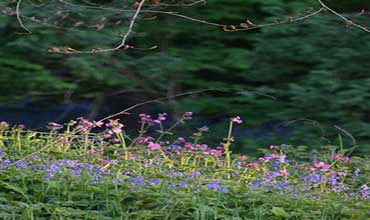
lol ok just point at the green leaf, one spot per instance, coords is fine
(280, 212)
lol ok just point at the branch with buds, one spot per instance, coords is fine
(247, 25)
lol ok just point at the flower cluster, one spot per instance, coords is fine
(177, 163)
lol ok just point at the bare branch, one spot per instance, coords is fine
(250, 26)
(132, 22)
(122, 45)
(348, 22)
(244, 26)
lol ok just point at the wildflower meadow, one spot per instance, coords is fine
(96, 170)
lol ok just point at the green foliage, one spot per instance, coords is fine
(316, 68)
(31, 79)
(315, 77)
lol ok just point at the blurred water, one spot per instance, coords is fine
(35, 115)
(38, 114)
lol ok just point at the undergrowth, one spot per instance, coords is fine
(93, 170)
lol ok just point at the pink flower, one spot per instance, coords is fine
(236, 120)
(283, 173)
(84, 124)
(55, 125)
(189, 146)
(263, 160)
(108, 134)
(117, 130)
(253, 165)
(274, 147)
(340, 157)
(143, 140)
(217, 153)
(243, 158)
(4, 124)
(188, 115)
(116, 140)
(321, 165)
(146, 118)
(92, 150)
(132, 156)
(154, 146)
(98, 123)
(115, 125)
(181, 139)
(220, 164)
(161, 117)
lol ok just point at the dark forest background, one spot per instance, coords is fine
(317, 69)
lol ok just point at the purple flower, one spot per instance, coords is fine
(215, 186)
(68, 163)
(48, 175)
(195, 174)
(365, 191)
(5, 206)
(54, 168)
(173, 148)
(138, 181)
(254, 184)
(5, 163)
(154, 181)
(76, 171)
(39, 167)
(21, 166)
(175, 174)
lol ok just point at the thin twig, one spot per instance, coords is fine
(122, 45)
(348, 21)
(18, 13)
(132, 22)
(290, 20)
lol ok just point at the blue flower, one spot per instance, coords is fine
(48, 175)
(357, 172)
(21, 166)
(116, 181)
(39, 167)
(138, 181)
(76, 171)
(175, 174)
(154, 181)
(217, 187)
(182, 185)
